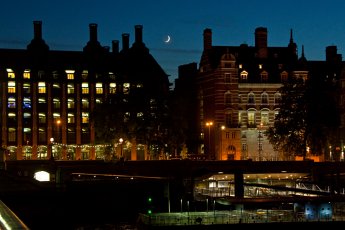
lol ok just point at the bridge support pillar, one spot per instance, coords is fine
(239, 187)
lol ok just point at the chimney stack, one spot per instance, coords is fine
(261, 41)
(125, 41)
(93, 32)
(115, 46)
(38, 30)
(138, 33)
(207, 39)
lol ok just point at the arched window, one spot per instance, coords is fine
(277, 99)
(251, 98)
(227, 98)
(264, 98)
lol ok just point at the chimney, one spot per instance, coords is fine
(115, 46)
(261, 41)
(332, 54)
(38, 30)
(138, 33)
(93, 32)
(125, 41)
(207, 39)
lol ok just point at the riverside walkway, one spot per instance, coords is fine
(234, 217)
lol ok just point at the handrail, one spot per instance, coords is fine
(9, 220)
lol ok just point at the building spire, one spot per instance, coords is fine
(291, 37)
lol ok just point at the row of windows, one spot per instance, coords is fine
(42, 134)
(70, 74)
(251, 98)
(99, 87)
(27, 103)
(250, 118)
(263, 76)
(42, 118)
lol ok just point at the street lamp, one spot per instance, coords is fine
(209, 124)
(121, 141)
(221, 142)
(51, 148)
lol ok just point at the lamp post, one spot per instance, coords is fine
(121, 141)
(209, 124)
(221, 142)
(51, 148)
(260, 142)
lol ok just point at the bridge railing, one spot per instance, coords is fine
(9, 220)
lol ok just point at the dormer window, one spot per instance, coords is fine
(284, 76)
(264, 76)
(244, 76)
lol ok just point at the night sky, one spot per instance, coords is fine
(65, 25)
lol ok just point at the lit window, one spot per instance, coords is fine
(240, 66)
(70, 118)
(84, 74)
(126, 88)
(26, 87)
(112, 76)
(56, 103)
(42, 138)
(85, 88)
(99, 88)
(11, 102)
(70, 88)
(70, 103)
(251, 117)
(98, 101)
(260, 66)
(70, 74)
(42, 100)
(10, 74)
(41, 87)
(84, 118)
(85, 103)
(264, 117)
(26, 103)
(11, 87)
(26, 74)
(57, 118)
(112, 88)
(11, 134)
(244, 76)
(56, 86)
(126, 116)
(27, 115)
(42, 118)
(11, 115)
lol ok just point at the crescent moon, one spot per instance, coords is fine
(168, 39)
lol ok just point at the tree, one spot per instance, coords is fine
(288, 133)
(308, 117)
